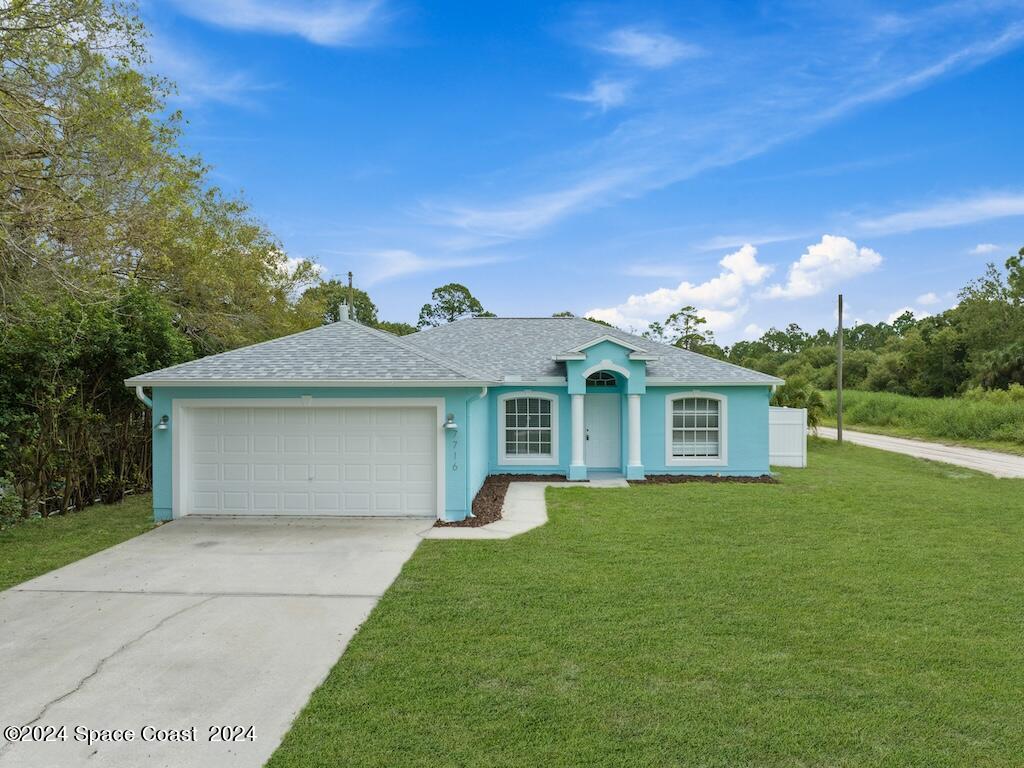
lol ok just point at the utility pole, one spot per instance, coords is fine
(839, 375)
(351, 299)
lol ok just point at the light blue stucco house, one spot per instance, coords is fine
(349, 420)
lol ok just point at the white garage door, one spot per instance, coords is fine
(311, 461)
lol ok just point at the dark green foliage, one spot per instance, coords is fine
(798, 392)
(325, 299)
(398, 329)
(449, 303)
(1002, 367)
(978, 342)
(70, 431)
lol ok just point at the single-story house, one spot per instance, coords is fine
(349, 420)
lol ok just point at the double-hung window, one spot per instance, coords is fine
(695, 429)
(528, 428)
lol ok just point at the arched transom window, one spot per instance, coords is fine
(601, 379)
(696, 429)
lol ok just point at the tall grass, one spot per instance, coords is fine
(995, 417)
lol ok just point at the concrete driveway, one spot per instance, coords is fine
(200, 623)
(991, 462)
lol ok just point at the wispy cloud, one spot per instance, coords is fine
(603, 94)
(646, 48)
(331, 22)
(950, 213)
(753, 98)
(199, 79)
(384, 265)
(655, 270)
(928, 299)
(720, 242)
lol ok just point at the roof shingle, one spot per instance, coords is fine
(526, 347)
(343, 352)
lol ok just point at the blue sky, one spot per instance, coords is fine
(623, 159)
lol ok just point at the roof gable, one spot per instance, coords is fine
(636, 352)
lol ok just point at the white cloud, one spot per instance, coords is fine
(337, 22)
(927, 299)
(199, 79)
(823, 265)
(982, 249)
(529, 214)
(653, 50)
(603, 94)
(753, 331)
(390, 264)
(951, 213)
(720, 300)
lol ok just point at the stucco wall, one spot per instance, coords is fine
(747, 431)
(564, 432)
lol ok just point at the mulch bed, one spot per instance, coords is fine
(489, 499)
(669, 479)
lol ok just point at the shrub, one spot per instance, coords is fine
(798, 392)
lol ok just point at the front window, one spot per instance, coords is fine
(696, 428)
(528, 430)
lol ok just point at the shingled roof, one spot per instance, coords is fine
(479, 350)
(526, 347)
(344, 352)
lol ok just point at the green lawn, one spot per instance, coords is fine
(868, 610)
(34, 547)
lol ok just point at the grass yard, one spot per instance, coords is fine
(34, 547)
(868, 610)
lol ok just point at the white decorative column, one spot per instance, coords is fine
(578, 467)
(634, 468)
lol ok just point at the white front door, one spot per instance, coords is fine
(311, 461)
(601, 419)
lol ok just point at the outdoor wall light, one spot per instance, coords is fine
(162, 424)
(449, 423)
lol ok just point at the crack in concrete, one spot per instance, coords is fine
(102, 662)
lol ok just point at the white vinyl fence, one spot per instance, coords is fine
(787, 437)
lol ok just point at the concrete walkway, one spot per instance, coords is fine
(199, 623)
(523, 510)
(992, 462)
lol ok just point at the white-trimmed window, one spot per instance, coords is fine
(528, 428)
(695, 429)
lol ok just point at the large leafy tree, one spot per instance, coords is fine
(448, 303)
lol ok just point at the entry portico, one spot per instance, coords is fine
(603, 368)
